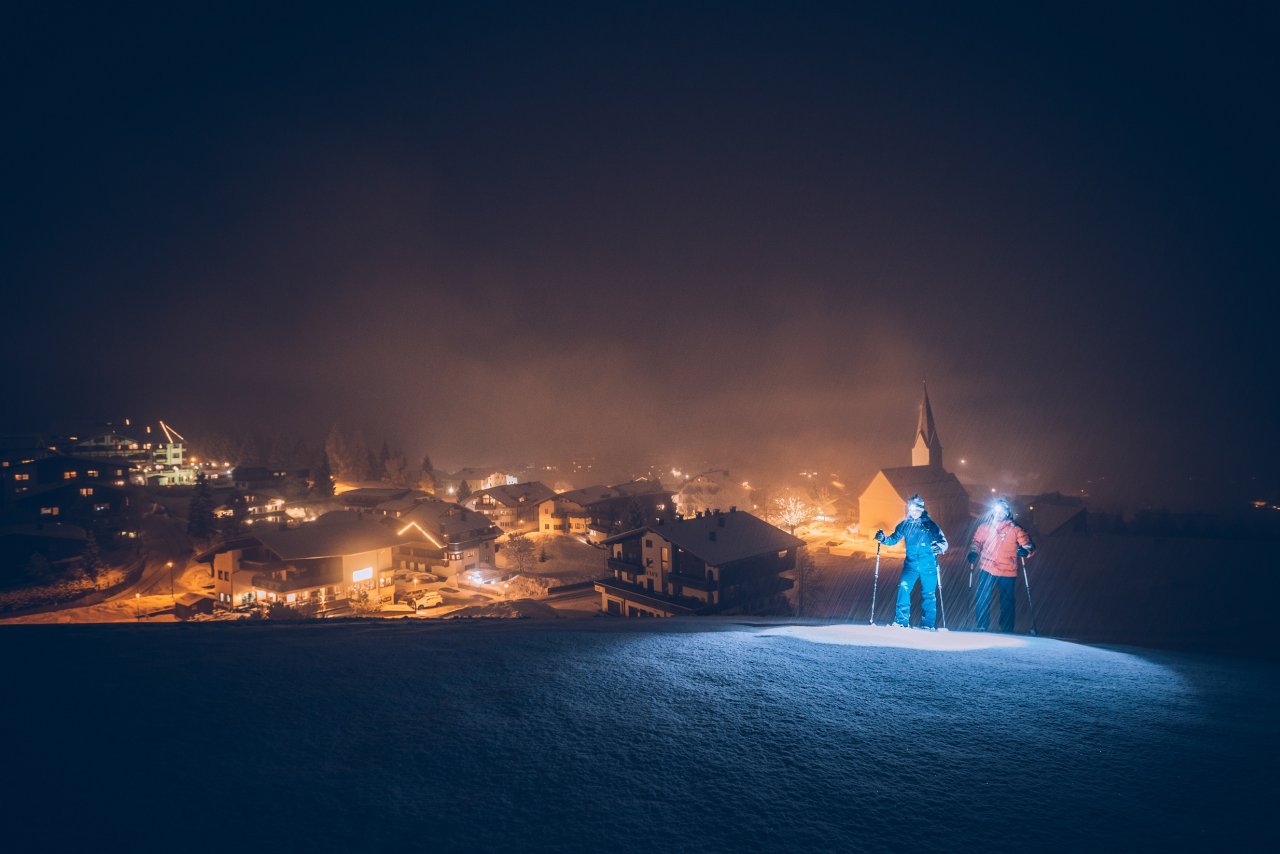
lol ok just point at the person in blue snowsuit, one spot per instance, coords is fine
(924, 542)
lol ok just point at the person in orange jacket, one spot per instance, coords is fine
(995, 549)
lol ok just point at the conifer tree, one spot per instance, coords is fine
(324, 477)
(200, 521)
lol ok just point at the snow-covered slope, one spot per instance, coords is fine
(611, 735)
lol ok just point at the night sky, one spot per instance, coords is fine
(725, 232)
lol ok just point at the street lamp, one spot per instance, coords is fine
(137, 607)
(169, 565)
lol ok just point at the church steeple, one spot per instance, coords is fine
(927, 450)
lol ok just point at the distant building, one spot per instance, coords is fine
(250, 477)
(476, 478)
(598, 512)
(514, 506)
(881, 504)
(729, 562)
(440, 536)
(1051, 513)
(262, 505)
(392, 501)
(710, 490)
(89, 492)
(321, 563)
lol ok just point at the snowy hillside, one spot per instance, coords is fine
(611, 735)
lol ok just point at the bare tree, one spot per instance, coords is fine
(793, 511)
(824, 502)
(522, 550)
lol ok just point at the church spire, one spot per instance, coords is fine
(927, 450)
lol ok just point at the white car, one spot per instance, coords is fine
(429, 599)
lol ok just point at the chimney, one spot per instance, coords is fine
(733, 509)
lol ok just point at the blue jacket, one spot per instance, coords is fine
(920, 536)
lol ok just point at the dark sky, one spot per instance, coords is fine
(690, 231)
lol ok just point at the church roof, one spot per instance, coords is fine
(910, 479)
(925, 427)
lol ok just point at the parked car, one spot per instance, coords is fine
(430, 599)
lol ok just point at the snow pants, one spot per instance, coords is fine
(928, 578)
(982, 612)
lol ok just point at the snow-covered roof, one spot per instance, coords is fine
(910, 479)
(329, 539)
(515, 494)
(720, 538)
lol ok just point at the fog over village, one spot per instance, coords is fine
(660, 427)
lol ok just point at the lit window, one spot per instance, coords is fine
(68, 475)
(92, 473)
(49, 511)
(22, 476)
(362, 574)
(88, 490)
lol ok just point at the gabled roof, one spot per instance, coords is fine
(443, 520)
(738, 536)
(641, 486)
(589, 495)
(516, 494)
(372, 496)
(909, 479)
(332, 539)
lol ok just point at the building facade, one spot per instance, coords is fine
(728, 562)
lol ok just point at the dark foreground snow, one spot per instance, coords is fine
(609, 735)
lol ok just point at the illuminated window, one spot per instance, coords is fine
(49, 511)
(68, 475)
(22, 476)
(92, 473)
(362, 574)
(88, 490)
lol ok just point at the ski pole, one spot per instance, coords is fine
(1027, 582)
(942, 605)
(874, 585)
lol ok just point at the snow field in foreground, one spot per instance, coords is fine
(605, 735)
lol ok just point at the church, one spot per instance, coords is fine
(881, 504)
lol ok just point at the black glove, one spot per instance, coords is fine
(937, 548)
(1023, 552)
(972, 558)
(879, 536)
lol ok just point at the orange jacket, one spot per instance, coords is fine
(996, 544)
